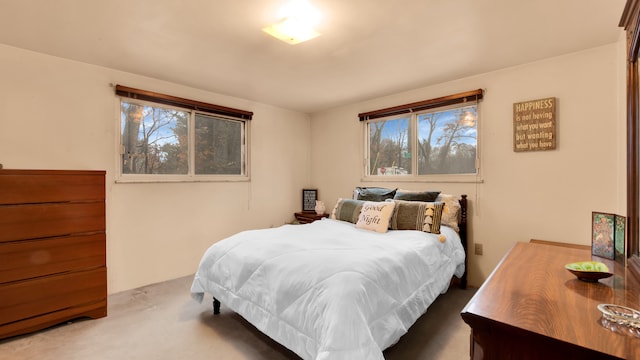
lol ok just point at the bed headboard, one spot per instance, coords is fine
(463, 236)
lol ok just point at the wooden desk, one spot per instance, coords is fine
(530, 307)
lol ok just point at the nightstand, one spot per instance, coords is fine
(305, 217)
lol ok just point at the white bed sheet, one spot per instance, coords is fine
(327, 290)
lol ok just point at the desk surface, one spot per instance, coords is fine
(531, 293)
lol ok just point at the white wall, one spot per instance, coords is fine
(60, 114)
(542, 195)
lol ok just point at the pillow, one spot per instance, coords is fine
(408, 195)
(375, 216)
(451, 211)
(417, 215)
(374, 193)
(347, 210)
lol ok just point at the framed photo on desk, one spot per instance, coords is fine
(602, 234)
(309, 197)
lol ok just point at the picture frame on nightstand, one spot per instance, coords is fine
(603, 226)
(619, 239)
(309, 197)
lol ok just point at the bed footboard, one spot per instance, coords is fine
(216, 306)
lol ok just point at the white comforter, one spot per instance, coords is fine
(327, 290)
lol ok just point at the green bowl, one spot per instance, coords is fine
(590, 271)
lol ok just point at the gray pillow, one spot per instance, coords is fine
(374, 193)
(426, 196)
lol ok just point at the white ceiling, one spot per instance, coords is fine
(369, 48)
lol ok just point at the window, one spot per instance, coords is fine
(170, 142)
(433, 137)
(447, 141)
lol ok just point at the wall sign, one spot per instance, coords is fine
(309, 197)
(534, 125)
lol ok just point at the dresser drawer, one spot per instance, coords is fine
(34, 258)
(41, 186)
(28, 298)
(20, 222)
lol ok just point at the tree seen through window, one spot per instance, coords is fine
(445, 142)
(155, 140)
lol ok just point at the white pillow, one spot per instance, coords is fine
(375, 216)
(450, 212)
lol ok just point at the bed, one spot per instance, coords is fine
(332, 289)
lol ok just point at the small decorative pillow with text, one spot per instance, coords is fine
(417, 215)
(347, 210)
(375, 216)
(451, 211)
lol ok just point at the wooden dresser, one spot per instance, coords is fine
(52, 248)
(531, 307)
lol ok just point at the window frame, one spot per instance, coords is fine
(367, 133)
(190, 176)
(413, 142)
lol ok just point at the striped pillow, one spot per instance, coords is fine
(417, 215)
(347, 210)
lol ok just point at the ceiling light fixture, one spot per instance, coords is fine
(298, 18)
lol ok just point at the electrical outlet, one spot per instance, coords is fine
(478, 249)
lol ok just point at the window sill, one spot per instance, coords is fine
(451, 179)
(126, 180)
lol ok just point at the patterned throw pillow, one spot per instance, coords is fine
(409, 195)
(417, 215)
(375, 216)
(347, 210)
(451, 211)
(374, 193)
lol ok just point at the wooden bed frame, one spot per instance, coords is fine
(462, 226)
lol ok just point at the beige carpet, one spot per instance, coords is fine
(161, 321)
